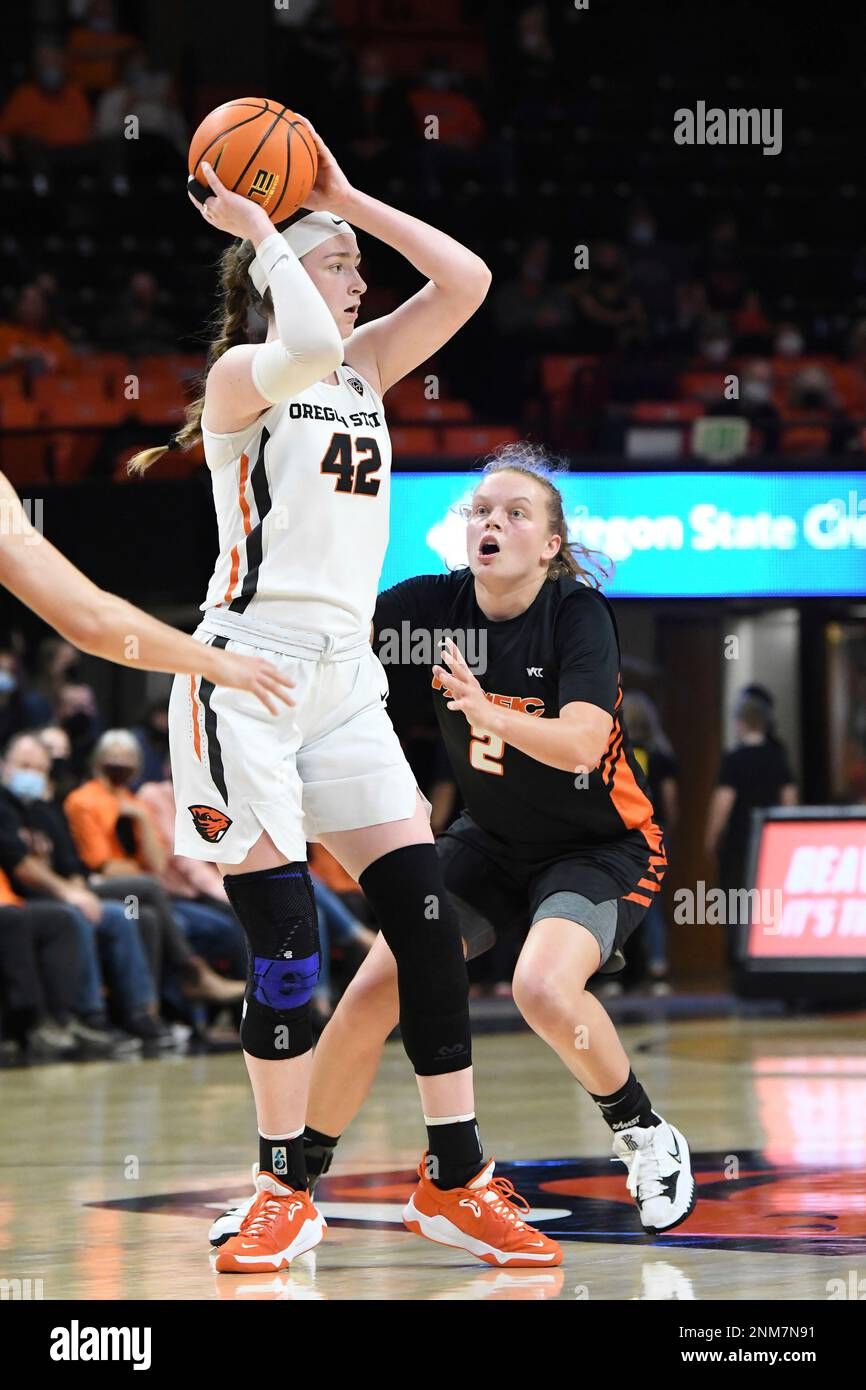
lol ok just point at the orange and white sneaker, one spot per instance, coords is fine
(280, 1224)
(482, 1218)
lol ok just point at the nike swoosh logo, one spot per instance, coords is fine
(676, 1156)
(337, 221)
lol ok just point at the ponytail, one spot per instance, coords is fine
(237, 295)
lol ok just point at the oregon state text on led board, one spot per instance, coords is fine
(669, 534)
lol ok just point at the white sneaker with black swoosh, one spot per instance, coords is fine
(659, 1174)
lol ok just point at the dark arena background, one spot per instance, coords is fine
(670, 198)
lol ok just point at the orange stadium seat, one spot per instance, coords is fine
(473, 440)
(415, 439)
(23, 457)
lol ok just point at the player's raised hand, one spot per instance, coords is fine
(466, 693)
(332, 188)
(229, 212)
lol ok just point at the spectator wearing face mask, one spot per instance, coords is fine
(117, 840)
(46, 122)
(756, 403)
(152, 735)
(38, 856)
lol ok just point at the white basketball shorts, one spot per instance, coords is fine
(331, 762)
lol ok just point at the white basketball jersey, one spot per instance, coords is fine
(302, 500)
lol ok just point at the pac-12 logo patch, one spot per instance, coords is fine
(210, 823)
(356, 385)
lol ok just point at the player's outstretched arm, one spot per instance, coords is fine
(102, 624)
(394, 345)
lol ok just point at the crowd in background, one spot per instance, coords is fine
(676, 291)
(111, 943)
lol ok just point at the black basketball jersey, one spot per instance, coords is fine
(564, 647)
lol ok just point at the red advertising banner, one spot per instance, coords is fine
(811, 884)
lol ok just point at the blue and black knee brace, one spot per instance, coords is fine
(277, 911)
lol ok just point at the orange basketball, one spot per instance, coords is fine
(260, 149)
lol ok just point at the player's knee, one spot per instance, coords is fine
(277, 911)
(407, 892)
(536, 996)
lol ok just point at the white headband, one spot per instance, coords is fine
(302, 235)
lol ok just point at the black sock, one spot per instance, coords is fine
(285, 1159)
(630, 1105)
(454, 1153)
(318, 1154)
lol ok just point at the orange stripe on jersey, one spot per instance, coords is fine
(638, 898)
(245, 514)
(196, 736)
(233, 577)
(242, 486)
(649, 883)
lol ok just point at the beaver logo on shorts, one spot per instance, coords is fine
(210, 823)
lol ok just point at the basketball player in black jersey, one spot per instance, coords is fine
(558, 830)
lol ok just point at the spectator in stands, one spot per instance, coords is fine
(20, 708)
(529, 305)
(152, 735)
(148, 94)
(118, 841)
(751, 328)
(135, 324)
(612, 316)
(61, 694)
(96, 48)
(30, 343)
(62, 774)
(756, 403)
(37, 854)
(654, 270)
(755, 773)
(376, 120)
(449, 125)
(788, 342)
(39, 969)
(46, 120)
(721, 268)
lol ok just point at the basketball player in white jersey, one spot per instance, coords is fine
(295, 438)
(104, 625)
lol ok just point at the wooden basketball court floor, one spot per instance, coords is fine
(111, 1172)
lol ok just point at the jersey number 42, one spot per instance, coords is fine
(353, 475)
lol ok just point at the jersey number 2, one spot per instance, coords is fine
(351, 476)
(486, 751)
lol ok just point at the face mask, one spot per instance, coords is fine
(117, 774)
(372, 83)
(757, 392)
(76, 724)
(27, 783)
(716, 350)
(51, 79)
(789, 344)
(8, 683)
(642, 233)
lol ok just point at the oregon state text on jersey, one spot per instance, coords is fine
(302, 498)
(563, 648)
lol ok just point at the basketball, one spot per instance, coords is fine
(260, 149)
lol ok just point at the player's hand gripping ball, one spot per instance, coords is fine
(261, 151)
